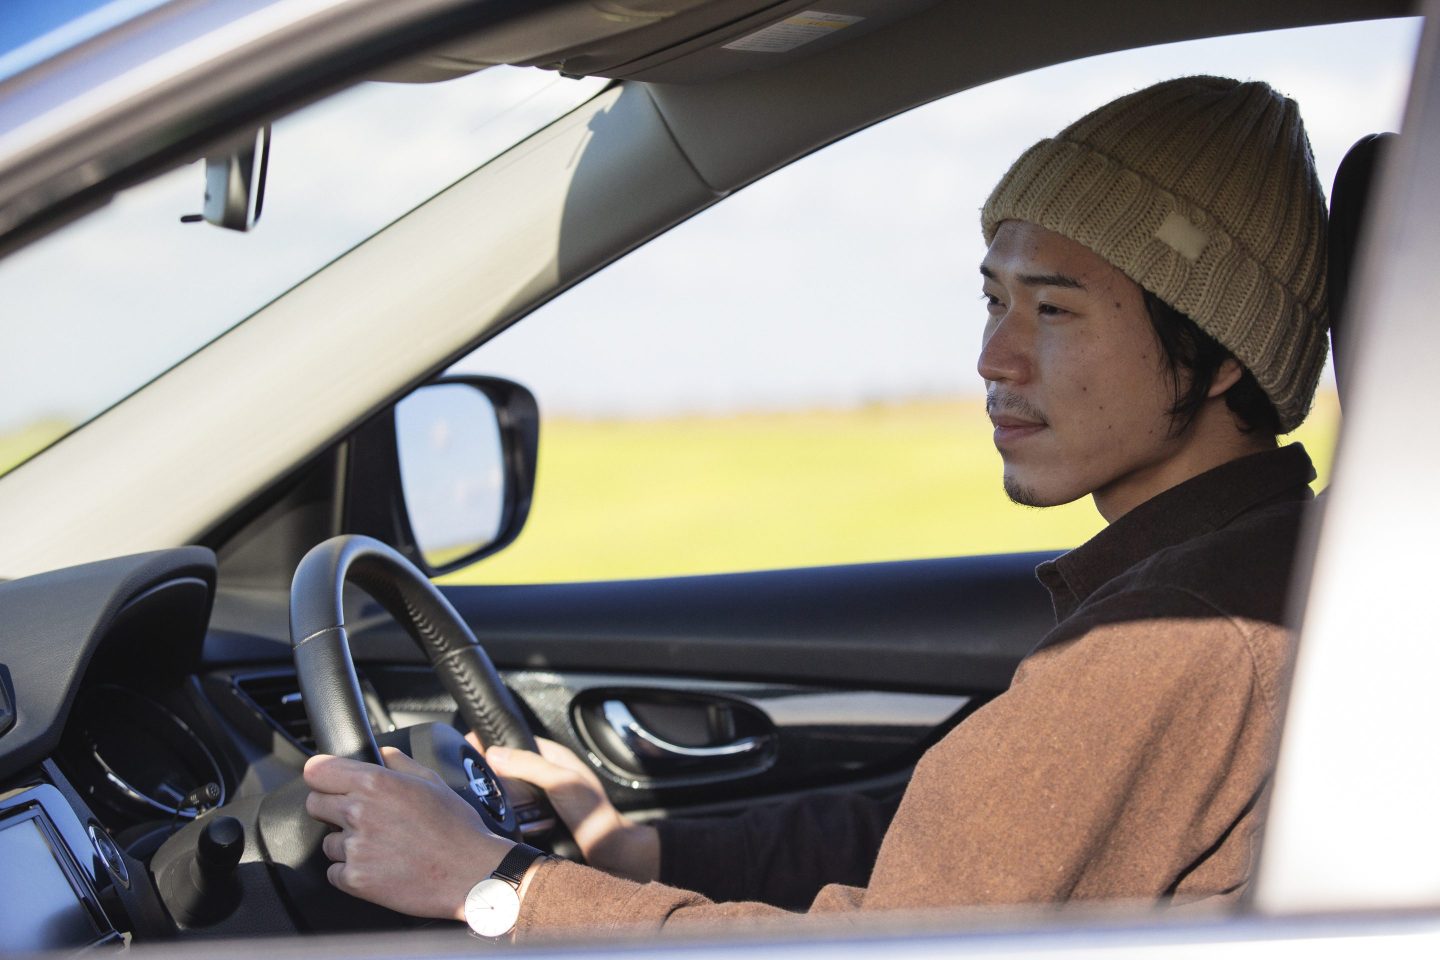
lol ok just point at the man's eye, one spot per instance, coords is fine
(990, 300)
(1051, 310)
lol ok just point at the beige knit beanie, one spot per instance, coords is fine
(1203, 191)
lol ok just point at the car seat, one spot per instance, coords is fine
(1348, 199)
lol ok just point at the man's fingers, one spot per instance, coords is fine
(407, 843)
(330, 774)
(396, 760)
(328, 808)
(519, 791)
(527, 766)
(333, 846)
(561, 755)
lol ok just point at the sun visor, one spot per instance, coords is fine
(664, 41)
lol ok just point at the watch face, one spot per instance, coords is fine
(492, 907)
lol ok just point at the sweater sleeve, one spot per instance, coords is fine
(1129, 750)
(780, 854)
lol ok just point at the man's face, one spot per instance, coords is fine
(1075, 381)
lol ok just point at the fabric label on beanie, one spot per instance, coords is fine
(1182, 236)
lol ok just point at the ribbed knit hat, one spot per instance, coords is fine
(1203, 191)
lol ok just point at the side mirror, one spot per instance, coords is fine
(447, 475)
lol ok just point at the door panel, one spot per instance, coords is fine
(808, 737)
(724, 689)
(956, 625)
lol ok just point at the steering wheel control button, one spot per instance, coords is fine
(485, 788)
(535, 819)
(109, 854)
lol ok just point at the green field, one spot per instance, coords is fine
(20, 445)
(618, 499)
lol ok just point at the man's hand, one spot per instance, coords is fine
(405, 840)
(608, 839)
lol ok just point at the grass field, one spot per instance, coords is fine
(617, 499)
(19, 445)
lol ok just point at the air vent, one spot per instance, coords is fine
(276, 696)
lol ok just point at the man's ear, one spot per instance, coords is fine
(1226, 377)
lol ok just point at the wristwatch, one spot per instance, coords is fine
(493, 905)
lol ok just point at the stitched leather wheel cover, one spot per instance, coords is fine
(328, 685)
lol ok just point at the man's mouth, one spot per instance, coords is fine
(1009, 430)
(1014, 419)
(1005, 421)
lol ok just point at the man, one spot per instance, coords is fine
(1156, 316)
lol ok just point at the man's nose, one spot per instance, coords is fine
(1003, 354)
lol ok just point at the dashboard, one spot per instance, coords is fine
(126, 714)
(100, 760)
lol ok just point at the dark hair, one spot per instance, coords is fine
(1188, 349)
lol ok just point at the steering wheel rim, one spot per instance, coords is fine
(328, 683)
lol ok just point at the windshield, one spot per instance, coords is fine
(101, 307)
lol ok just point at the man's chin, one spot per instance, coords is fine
(1029, 495)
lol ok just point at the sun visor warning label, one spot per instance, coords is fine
(793, 32)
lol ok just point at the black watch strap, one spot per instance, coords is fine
(515, 863)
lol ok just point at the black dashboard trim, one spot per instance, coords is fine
(7, 701)
(52, 624)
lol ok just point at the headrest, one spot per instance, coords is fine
(1348, 201)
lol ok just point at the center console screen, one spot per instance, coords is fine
(40, 907)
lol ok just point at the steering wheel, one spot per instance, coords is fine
(331, 692)
(282, 871)
(327, 677)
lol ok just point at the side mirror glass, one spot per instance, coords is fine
(466, 449)
(452, 470)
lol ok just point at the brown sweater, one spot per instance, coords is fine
(1129, 758)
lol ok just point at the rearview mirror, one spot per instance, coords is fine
(235, 182)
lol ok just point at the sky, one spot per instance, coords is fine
(845, 279)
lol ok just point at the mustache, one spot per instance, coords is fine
(1014, 404)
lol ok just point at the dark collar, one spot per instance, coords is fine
(1198, 506)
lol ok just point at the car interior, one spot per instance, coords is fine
(156, 699)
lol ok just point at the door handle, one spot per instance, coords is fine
(645, 744)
